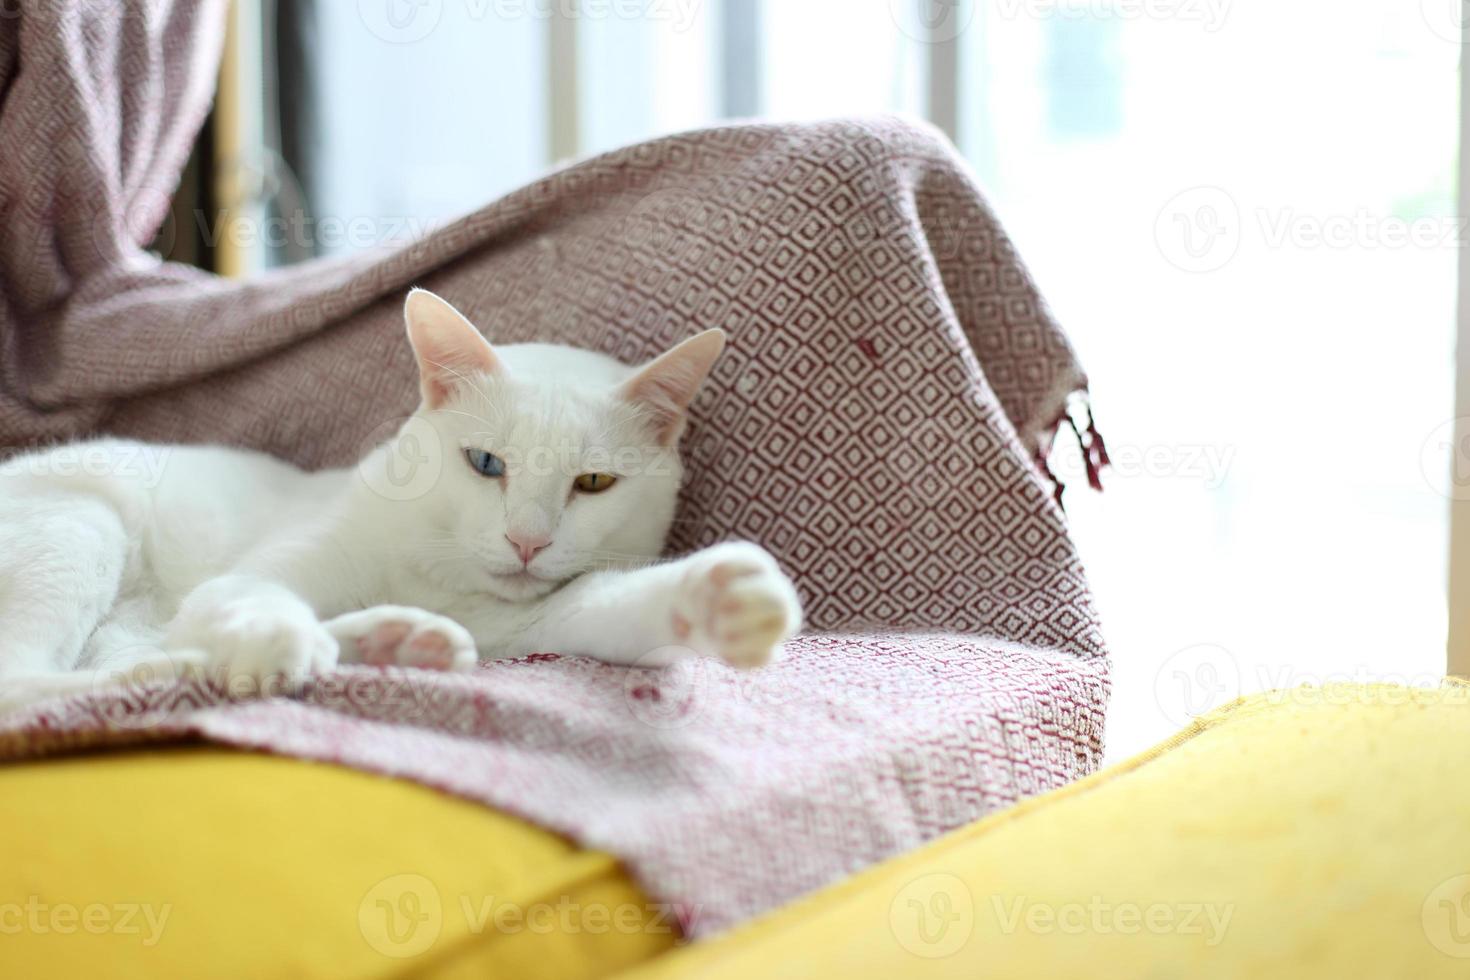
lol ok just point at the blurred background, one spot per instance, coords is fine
(1244, 214)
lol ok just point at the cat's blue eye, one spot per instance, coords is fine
(485, 464)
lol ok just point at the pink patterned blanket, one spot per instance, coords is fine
(891, 378)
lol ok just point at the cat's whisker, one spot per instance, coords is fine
(623, 561)
(469, 382)
(490, 426)
(443, 559)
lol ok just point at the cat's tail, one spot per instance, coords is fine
(17, 693)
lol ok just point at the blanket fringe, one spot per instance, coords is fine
(1089, 441)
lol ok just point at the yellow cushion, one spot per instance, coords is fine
(1315, 834)
(1324, 835)
(204, 862)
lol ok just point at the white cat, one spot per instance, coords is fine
(519, 509)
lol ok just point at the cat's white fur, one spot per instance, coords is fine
(115, 553)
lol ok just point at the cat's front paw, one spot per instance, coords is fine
(735, 603)
(404, 636)
(258, 644)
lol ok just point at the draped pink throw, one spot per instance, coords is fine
(891, 378)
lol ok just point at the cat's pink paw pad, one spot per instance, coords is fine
(407, 637)
(379, 648)
(736, 604)
(432, 650)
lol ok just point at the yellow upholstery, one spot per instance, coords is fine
(1327, 830)
(1312, 835)
(256, 866)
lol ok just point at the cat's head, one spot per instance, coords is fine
(554, 461)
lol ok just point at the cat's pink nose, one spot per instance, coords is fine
(526, 545)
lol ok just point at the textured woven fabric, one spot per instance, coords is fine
(892, 372)
(726, 794)
(1311, 833)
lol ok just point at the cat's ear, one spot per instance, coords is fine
(665, 386)
(448, 347)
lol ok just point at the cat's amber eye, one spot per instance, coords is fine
(594, 482)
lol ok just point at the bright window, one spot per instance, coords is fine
(1243, 214)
